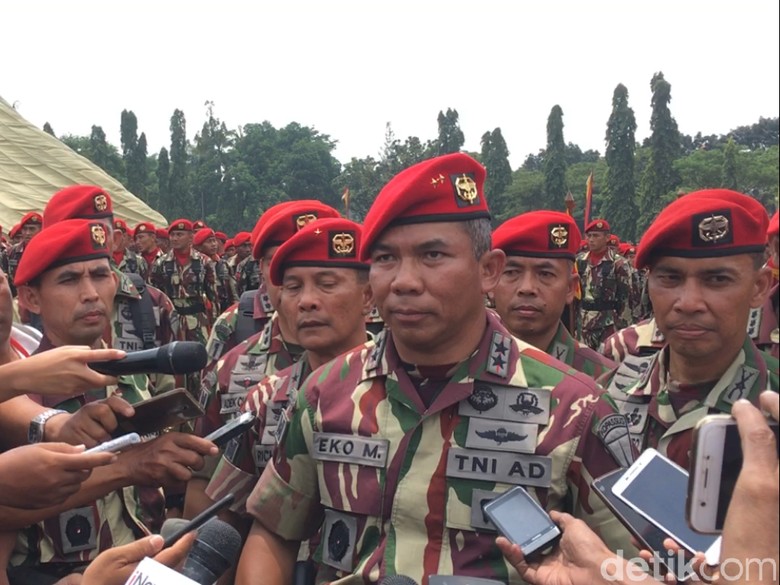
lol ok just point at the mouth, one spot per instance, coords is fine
(525, 310)
(407, 315)
(689, 331)
(311, 324)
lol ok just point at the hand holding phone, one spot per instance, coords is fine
(117, 444)
(234, 428)
(199, 520)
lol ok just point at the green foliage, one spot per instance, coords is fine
(163, 176)
(451, 137)
(619, 206)
(495, 157)
(659, 180)
(95, 148)
(178, 201)
(729, 174)
(555, 160)
(48, 129)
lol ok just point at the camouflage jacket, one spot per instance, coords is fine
(607, 293)
(565, 348)
(222, 338)
(244, 461)
(193, 290)
(642, 339)
(226, 283)
(662, 414)
(224, 385)
(762, 325)
(133, 263)
(115, 519)
(10, 261)
(248, 275)
(150, 259)
(398, 488)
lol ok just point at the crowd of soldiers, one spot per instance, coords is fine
(402, 372)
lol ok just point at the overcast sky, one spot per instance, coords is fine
(348, 67)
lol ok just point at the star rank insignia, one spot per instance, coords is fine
(499, 350)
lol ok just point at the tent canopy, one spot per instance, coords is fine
(34, 165)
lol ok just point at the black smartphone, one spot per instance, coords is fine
(199, 520)
(649, 536)
(163, 411)
(234, 428)
(523, 521)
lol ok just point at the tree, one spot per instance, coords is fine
(619, 205)
(495, 157)
(451, 137)
(140, 168)
(209, 163)
(178, 201)
(163, 176)
(660, 179)
(555, 161)
(104, 154)
(729, 171)
(48, 129)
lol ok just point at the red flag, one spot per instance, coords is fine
(588, 199)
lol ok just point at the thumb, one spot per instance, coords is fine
(60, 448)
(140, 549)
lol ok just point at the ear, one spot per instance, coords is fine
(29, 298)
(491, 265)
(761, 287)
(574, 283)
(368, 299)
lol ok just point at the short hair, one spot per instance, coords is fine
(480, 232)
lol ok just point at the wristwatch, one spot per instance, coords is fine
(35, 432)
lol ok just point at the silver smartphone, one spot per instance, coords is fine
(715, 466)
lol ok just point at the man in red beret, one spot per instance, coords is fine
(538, 283)
(145, 237)
(68, 280)
(247, 268)
(125, 258)
(222, 239)
(206, 242)
(605, 280)
(163, 240)
(30, 224)
(188, 278)
(392, 449)
(705, 257)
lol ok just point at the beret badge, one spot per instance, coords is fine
(142, 228)
(304, 219)
(98, 233)
(559, 236)
(465, 188)
(180, 226)
(343, 244)
(100, 202)
(714, 228)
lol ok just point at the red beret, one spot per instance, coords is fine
(704, 224)
(31, 217)
(78, 202)
(71, 240)
(280, 222)
(120, 224)
(202, 235)
(144, 227)
(162, 233)
(12, 233)
(539, 234)
(229, 243)
(597, 225)
(625, 248)
(613, 240)
(445, 188)
(774, 226)
(180, 224)
(198, 224)
(242, 238)
(221, 236)
(326, 242)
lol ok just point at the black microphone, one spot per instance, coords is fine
(215, 550)
(397, 580)
(179, 357)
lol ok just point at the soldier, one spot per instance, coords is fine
(538, 283)
(763, 323)
(143, 317)
(127, 260)
(188, 278)
(163, 241)
(15, 234)
(605, 279)
(247, 267)
(205, 241)
(222, 239)
(145, 237)
(198, 225)
(68, 280)
(29, 225)
(393, 448)
(230, 253)
(704, 252)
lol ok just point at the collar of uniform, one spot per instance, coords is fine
(125, 288)
(648, 335)
(563, 345)
(262, 303)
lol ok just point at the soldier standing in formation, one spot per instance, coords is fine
(30, 224)
(145, 238)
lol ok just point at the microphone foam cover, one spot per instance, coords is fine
(398, 580)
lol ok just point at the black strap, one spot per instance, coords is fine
(142, 312)
(246, 324)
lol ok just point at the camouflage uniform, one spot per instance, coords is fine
(117, 518)
(642, 339)
(565, 348)
(226, 284)
(248, 275)
(150, 259)
(762, 325)
(662, 413)
(11, 263)
(398, 488)
(133, 263)
(192, 289)
(223, 334)
(605, 306)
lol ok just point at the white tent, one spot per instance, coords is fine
(34, 165)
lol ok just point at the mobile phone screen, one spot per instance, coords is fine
(659, 491)
(523, 522)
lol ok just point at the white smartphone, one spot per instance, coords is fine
(716, 465)
(117, 444)
(656, 488)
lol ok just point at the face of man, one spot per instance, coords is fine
(597, 241)
(145, 241)
(75, 301)
(244, 250)
(327, 307)
(181, 240)
(702, 305)
(164, 244)
(29, 230)
(531, 295)
(210, 246)
(430, 290)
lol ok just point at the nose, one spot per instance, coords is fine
(526, 284)
(689, 298)
(406, 279)
(309, 299)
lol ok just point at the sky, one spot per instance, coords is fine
(347, 67)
